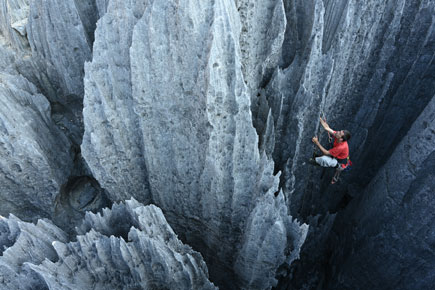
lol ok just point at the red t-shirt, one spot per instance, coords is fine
(340, 150)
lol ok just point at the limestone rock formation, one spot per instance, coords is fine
(13, 21)
(22, 243)
(262, 32)
(129, 246)
(41, 119)
(60, 41)
(269, 227)
(207, 109)
(35, 159)
(112, 143)
(368, 67)
(51, 40)
(182, 124)
(393, 220)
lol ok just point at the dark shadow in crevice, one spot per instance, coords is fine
(7, 238)
(68, 117)
(78, 195)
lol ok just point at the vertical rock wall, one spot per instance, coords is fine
(261, 37)
(44, 46)
(357, 64)
(41, 115)
(186, 130)
(35, 159)
(112, 144)
(207, 110)
(381, 79)
(388, 233)
(61, 43)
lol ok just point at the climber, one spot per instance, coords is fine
(338, 156)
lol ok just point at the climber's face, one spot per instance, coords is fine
(339, 135)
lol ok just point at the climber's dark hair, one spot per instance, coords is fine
(346, 135)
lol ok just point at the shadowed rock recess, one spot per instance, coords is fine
(163, 144)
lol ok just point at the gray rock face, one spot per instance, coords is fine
(22, 243)
(261, 38)
(207, 110)
(112, 144)
(194, 136)
(313, 256)
(269, 227)
(41, 137)
(13, 21)
(393, 221)
(391, 75)
(378, 63)
(102, 7)
(358, 71)
(130, 246)
(51, 41)
(49, 49)
(61, 42)
(262, 32)
(89, 12)
(35, 158)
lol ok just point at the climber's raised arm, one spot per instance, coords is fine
(326, 126)
(324, 151)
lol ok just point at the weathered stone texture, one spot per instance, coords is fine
(129, 246)
(35, 155)
(358, 71)
(13, 21)
(385, 76)
(89, 12)
(263, 26)
(311, 265)
(296, 96)
(269, 227)
(217, 159)
(102, 7)
(207, 109)
(112, 142)
(389, 233)
(60, 41)
(186, 128)
(22, 243)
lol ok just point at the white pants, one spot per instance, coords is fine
(326, 161)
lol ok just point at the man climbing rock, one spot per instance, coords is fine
(337, 156)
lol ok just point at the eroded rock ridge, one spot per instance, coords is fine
(206, 110)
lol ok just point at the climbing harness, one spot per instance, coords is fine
(344, 167)
(348, 165)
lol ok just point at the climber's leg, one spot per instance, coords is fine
(326, 161)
